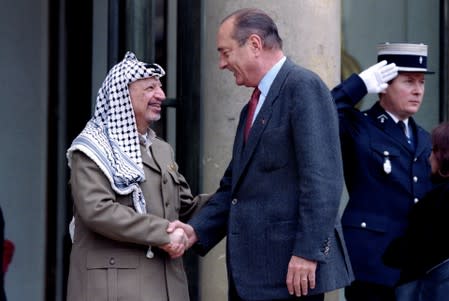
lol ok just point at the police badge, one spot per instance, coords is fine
(387, 163)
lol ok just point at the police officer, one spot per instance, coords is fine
(385, 156)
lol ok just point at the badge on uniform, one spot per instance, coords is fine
(387, 163)
(382, 118)
(171, 166)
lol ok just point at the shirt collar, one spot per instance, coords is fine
(148, 138)
(395, 119)
(267, 80)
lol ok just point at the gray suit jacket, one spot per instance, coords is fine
(281, 192)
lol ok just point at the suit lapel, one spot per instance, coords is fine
(147, 160)
(420, 137)
(244, 152)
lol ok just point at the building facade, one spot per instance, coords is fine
(55, 53)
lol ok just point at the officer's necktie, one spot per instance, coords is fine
(252, 104)
(401, 124)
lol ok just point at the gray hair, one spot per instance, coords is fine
(250, 21)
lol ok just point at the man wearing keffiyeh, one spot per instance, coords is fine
(126, 189)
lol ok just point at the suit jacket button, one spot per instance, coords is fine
(415, 179)
(234, 201)
(415, 200)
(112, 261)
(363, 225)
(164, 180)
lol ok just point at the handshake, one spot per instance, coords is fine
(182, 237)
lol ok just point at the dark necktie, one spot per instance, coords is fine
(401, 124)
(252, 104)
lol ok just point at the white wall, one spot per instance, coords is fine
(23, 134)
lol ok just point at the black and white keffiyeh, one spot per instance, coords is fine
(110, 137)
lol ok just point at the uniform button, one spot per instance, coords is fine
(416, 159)
(415, 200)
(386, 153)
(164, 180)
(112, 261)
(166, 204)
(363, 225)
(415, 179)
(234, 201)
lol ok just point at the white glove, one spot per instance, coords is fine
(377, 76)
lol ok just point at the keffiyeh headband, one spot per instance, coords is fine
(110, 137)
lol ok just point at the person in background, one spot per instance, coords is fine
(2, 239)
(6, 254)
(420, 253)
(278, 200)
(126, 189)
(385, 159)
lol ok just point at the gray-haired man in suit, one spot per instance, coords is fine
(279, 197)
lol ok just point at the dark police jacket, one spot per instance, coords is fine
(421, 248)
(384, 176)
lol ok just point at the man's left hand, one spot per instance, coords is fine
(300, 276)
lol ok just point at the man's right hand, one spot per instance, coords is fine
(177, 245)
(189, 231)
(377, 76)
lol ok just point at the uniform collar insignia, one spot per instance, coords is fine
(382, 118)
